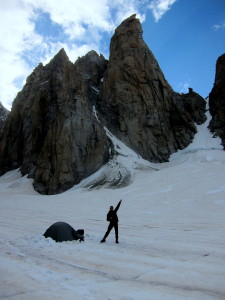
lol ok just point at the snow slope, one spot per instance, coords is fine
(172, 231)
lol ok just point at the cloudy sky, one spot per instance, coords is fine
(186, 37)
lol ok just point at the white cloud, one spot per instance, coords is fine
(17, 36)
(76, 16)
(219, 26)
(160, 7)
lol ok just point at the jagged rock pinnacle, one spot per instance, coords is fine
(137, 102)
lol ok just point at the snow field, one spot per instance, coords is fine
(171, 232)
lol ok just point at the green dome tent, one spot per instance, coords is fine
(61, 232)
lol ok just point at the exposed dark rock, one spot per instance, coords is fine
(3, 116)
(138, 104)
(193, 104)
(52, 133)
(217, 101)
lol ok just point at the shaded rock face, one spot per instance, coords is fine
(52, 133)
(217, 101)
(3, 117)
(138, 104)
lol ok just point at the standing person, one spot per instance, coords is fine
(113, 222)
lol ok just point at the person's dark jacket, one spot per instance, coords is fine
(112, 216)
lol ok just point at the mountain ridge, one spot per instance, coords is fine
(56, 131)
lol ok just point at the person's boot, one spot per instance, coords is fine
(102, 241)
(117, 242)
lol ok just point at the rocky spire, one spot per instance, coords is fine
(217, 101)
(52, 133)
(136, 101)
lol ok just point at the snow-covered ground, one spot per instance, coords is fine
(171, 231)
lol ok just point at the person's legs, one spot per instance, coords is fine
(116, 232)
(107, 232)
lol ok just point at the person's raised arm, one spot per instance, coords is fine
(118, 205)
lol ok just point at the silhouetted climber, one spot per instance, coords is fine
(113, 222)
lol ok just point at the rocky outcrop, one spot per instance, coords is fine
(52, 133)
(217, 101)
(56, 131)
(3, 116)
(138, 104)
(193, 104)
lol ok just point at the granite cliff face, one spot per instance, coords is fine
(217, 101)
(56, 133)
(138, 104)
(52, 133)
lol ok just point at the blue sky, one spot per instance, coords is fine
(186, 36)
(187, 41)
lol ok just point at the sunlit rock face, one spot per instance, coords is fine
(217, 101)
(138, 104)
